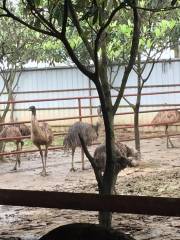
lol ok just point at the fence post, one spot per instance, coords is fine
(90, 101)
(79, 107)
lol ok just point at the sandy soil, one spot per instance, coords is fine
(158, 175)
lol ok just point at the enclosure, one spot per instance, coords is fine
(63, 96)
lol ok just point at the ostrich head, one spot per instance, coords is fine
(32, 109)
(96, 128)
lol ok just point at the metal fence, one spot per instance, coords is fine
(63, 96)
(161, 90)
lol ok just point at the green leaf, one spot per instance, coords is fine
(37, 3)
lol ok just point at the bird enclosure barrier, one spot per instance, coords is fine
(163, 206)
(123, 204)
(80, 116)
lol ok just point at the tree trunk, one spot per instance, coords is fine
(109, 177)
(136, 129)
(177, 51)
(105, 218)
(137, 106)
(1, 143)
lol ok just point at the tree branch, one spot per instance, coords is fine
(11, 15)
(81, 67)
(147, 77)
(53, 33)
(65, 16)
(63, 38)
(47, 24)
(79, 29)
(158, 9)
(133, 53)
(98, 174)
(101, 30)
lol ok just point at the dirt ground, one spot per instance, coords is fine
(158, 175)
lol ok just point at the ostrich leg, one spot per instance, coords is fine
(18, 161)
(72, 162)
(43, 173)
(45, 158)
(82, 159)
(168, 138)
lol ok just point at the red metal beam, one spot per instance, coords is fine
(87, 89)
(92, 202)
(48, 120)
(28, 151)
(88, 97)
(89, 116)
(96, 143)
(8, 139)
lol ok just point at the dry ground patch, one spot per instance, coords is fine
(158, 175)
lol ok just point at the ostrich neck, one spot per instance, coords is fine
(34, 122)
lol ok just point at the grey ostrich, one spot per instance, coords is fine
(13, 132)
(41, 134)
(87, 131)
(126, 157)
(166, 118)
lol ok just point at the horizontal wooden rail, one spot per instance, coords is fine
(92, 202)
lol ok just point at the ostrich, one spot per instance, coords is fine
(84, 231)
(166, 118)
(24, 129)
(13, 132)
(87, 131)
(125, 157)
(41, 135)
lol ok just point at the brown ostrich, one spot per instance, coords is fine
(87, 131)
(166, 118)
(41, 134)
(13, 132)
(126, 156)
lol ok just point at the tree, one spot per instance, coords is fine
(92, 23)
(19, 45)
(12, 59)
(154, 40)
